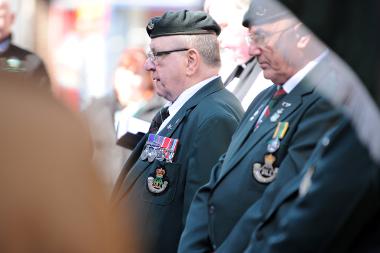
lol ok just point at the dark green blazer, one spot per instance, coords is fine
(204, 126)
(30, 66)
(232, 188)
(331, 206)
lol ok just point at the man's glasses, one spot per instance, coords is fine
(153, 56)
(260, 37)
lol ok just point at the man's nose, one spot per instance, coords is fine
(254, 49)
(149, 65)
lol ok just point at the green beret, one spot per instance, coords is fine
(263, 12)
(182, 22)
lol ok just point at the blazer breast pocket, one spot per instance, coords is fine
(161, 183)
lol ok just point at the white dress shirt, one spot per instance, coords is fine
(182, 99)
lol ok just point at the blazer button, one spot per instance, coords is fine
(211, 209)
(325, 141)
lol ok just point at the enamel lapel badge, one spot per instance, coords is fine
(157, 182)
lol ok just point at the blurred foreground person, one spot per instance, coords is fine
(277, 135)
(186, 138)
(15, 59)
(241, 73)
(51, 199)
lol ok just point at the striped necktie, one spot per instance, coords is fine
(277, 95)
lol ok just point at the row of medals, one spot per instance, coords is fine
(154, 150)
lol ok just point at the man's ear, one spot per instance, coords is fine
(193, 61)
(303, 41)
(12, 18)
(303, 36)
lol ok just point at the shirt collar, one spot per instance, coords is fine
(4, 45)
(289, 85)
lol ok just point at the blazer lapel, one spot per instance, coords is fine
(128, 168)
(247, 124)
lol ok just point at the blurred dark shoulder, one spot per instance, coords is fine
(20, 62)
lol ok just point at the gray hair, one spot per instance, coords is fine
(207, 45)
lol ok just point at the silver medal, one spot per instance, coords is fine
(152, 155)
(144, 154)
(273, 145)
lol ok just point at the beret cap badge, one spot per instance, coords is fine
(150, 25)
(260, 11)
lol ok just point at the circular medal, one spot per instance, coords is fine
(152, 155)
(275, 117)
(144, 154)
(273, 145)
(160, 154)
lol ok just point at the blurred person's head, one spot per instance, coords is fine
(51, 199)
(7, 18)
(132, 83)
(184, 51)
(280, 42)
(352, 34)
(229, 15)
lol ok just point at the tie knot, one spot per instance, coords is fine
(279, 92)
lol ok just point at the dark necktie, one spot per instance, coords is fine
(277, 95)
(280, 92)
(161, 115)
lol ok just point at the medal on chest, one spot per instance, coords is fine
(267, 172)
(159, 148)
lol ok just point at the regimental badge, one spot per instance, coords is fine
(157, 183)
(265, 173)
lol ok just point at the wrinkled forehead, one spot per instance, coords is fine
(165, 42)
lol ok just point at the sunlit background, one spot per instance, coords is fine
(86, 39)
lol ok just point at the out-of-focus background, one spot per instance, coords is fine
(87, 38)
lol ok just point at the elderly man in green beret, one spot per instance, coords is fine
(276, 136)
(186, 137)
